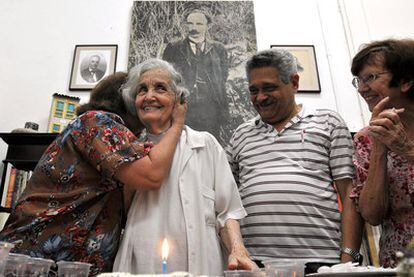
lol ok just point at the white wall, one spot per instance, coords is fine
(38, 39)
(367, 20)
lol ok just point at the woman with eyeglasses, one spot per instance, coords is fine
(384, 156)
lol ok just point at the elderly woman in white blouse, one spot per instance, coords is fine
(198, 204)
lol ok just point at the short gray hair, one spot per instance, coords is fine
(282, 60)
(129, 89)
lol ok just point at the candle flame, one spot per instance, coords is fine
(165, 249)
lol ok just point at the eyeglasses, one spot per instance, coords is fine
(356, 81)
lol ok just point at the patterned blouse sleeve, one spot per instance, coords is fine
(361, 163)
(106, 143)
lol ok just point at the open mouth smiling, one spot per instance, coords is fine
(151, 107)
(264, 105)
(370, 97)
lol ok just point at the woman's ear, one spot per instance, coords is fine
(182, 94)
(406, 86)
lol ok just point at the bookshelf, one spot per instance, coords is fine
(23, 152)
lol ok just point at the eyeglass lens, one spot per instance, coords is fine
(356, 81)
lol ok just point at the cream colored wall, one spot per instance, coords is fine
(367, 20)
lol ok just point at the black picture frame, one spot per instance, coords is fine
(91, 63)
(309, 78)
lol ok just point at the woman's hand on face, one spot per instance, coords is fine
(386, 127)
(179, 112)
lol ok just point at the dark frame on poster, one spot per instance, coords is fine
(309, 78)
(91, 63)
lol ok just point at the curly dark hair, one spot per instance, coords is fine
(396, 55)
(107, 95)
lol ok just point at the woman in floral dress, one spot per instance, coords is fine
(72, 208)
(384, 156)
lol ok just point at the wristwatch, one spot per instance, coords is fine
(354, 254)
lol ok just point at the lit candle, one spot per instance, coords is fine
(164, 253)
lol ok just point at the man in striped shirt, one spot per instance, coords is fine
(285, 162)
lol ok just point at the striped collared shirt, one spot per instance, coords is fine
(285, 181)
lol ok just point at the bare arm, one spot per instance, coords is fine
(373, 200)
(351, 221)
(231, 237)
(149, 171)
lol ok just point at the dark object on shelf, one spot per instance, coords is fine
(23, 152)
(31, 125)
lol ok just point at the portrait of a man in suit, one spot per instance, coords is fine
(92, 73)
(204, 65)
(208, 42)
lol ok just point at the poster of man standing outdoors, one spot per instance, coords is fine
(208, 42)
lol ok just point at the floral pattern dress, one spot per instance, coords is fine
(72, 208)
(398, 226)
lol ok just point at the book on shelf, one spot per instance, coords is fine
(14, 185)
(19, 185)
(10, 187)
(7, 168)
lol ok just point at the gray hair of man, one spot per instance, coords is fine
(282, 60)
(130, 88)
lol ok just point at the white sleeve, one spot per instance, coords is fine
(228, 203)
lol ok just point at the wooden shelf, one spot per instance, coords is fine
(28, 138)
(25, 149)
(4, 210)
(23, 164)
(23, 152)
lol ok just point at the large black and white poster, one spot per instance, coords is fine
(208, 42)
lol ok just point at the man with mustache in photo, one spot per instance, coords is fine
(203, 64)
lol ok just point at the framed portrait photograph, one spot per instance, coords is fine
(309, 76)
(91, 63)
(208, 42)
